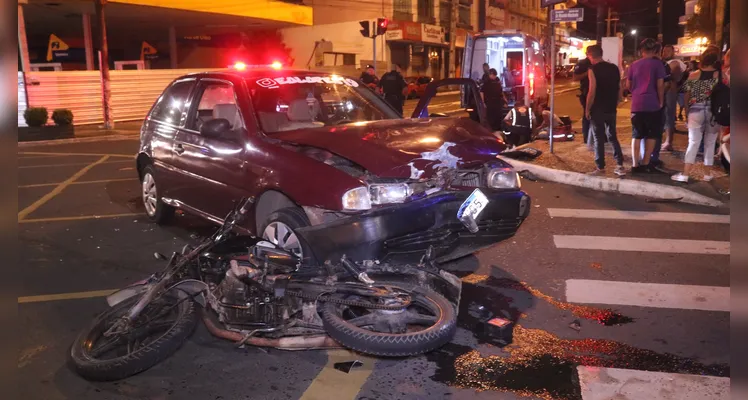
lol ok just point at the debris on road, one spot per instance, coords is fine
(596, 266)
(576, 325)
(347, 366)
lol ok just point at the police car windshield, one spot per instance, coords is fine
(286, 103)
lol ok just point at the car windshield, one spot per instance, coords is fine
(286, 103)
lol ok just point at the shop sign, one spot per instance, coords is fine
(403, 30)
(495, 18)
(432, 34)
(687, 49)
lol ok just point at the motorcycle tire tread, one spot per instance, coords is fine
(139, 361)
(393, 345)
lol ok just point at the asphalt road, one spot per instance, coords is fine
(609, 296)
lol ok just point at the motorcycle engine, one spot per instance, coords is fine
(243, 301)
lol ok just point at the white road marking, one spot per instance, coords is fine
(656, 245)
(638, 215)
(69, 165)
(614, 383)
(658, 295)
(65, 296)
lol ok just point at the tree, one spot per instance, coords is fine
(703, 23)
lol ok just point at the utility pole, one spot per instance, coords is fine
(612, 17)
(599, 15)
(659, 12)
(552, 38)
(607, 31)
(104, 66)
(454, 15)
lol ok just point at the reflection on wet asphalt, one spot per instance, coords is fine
(535, 362)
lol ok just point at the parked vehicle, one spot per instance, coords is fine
(417, 85)
(517, 58)
(254, 293)
(325, 157)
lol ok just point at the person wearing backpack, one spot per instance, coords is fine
(699, 89)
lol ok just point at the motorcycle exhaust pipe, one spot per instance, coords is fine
(284, 343)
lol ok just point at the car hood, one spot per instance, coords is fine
(405, 148)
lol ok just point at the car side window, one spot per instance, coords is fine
(172, 103)
(424, 80)
(216, 99)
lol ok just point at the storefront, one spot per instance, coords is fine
(420, 49)
(571, 52)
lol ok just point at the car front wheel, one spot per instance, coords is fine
(155, 208)
(280, 229)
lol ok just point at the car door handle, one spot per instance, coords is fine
(178, 149)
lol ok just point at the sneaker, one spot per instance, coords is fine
(620, 170)
(708, 178)
(639, 169)
(680, 177)
(656, 169)
(597, 172)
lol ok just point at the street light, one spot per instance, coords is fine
(636, 45)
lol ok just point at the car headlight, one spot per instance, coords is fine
(503, 178)
(388, 193)
(357, 199)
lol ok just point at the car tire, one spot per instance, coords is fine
(284, 222)
(155, 208)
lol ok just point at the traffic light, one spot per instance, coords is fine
(365, 28)
(382, 26)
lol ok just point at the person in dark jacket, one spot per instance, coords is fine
(369, 77)
(486, 73)
(394, 88)
(493, 97)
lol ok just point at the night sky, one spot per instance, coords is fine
(639, 14)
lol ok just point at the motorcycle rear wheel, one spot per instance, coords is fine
(428, 309)
(144, 347)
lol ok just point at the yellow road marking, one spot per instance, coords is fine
(65, 296)
(44, 153)
(58, 189)
(77, 218)
(77, 183)
(70, 164)
(333, 384)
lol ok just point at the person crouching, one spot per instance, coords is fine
(519, 124)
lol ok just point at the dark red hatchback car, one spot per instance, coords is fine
(331, 168)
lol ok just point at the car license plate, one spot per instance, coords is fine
(473, 205)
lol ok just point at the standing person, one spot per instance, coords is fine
(394, 87)
(581, 76)
(646, 81)
(369, 78)
(601, 108)
(677, 68)
(698, 90)
(493, 97)
(486, 73)
(655, 164)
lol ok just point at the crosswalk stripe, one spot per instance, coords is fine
(656, 245)
(638, 215)
(658, 295)
(615, 383)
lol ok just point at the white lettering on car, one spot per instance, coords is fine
(274, 83)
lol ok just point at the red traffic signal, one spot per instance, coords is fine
(382, 25)
(365, 28)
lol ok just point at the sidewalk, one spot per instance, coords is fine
(82, 133)
(575, 157)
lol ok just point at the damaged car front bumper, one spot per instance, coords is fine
(403, 232)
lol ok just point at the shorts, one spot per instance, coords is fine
(646, 124)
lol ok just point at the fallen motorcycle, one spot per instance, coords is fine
(253, 293)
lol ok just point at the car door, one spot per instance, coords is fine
(166, 117)
(213, 168)
(476, 109)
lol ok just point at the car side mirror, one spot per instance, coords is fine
(216, 128)
(438, 115)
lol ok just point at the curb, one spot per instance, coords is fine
(133, 136)
(623, 186)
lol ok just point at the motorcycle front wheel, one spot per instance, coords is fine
(429, 322)
(108, 350)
